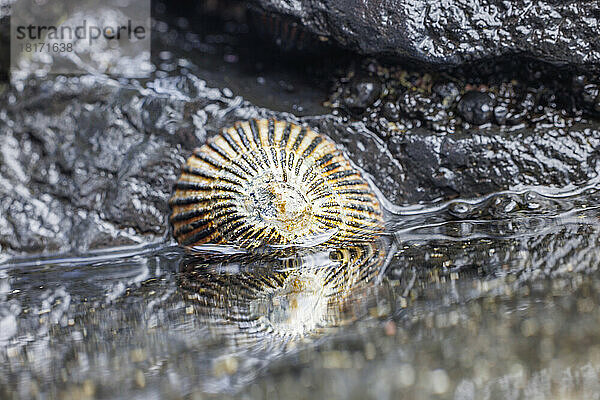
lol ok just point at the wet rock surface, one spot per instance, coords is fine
(481, 129)
(475, 164)
(454, 32)
(79, 175)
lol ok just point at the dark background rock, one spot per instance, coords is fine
(78, 174)
(454, 32)
(478, 163)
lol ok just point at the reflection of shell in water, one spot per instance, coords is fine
(284, 298)
(271, 182)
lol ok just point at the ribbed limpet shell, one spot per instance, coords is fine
(268, 182)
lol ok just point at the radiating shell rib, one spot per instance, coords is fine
(268, 182)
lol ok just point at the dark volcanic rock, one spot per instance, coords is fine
(482, 162)
(453, 32)
(534, 127)
(87, 164)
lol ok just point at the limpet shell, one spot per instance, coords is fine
(268, 182)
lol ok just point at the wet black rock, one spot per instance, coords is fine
(476, 107)
(455, 32)
(478, 162)
(591, 97)
(87, 164)
(506, 94)
(501, 114)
